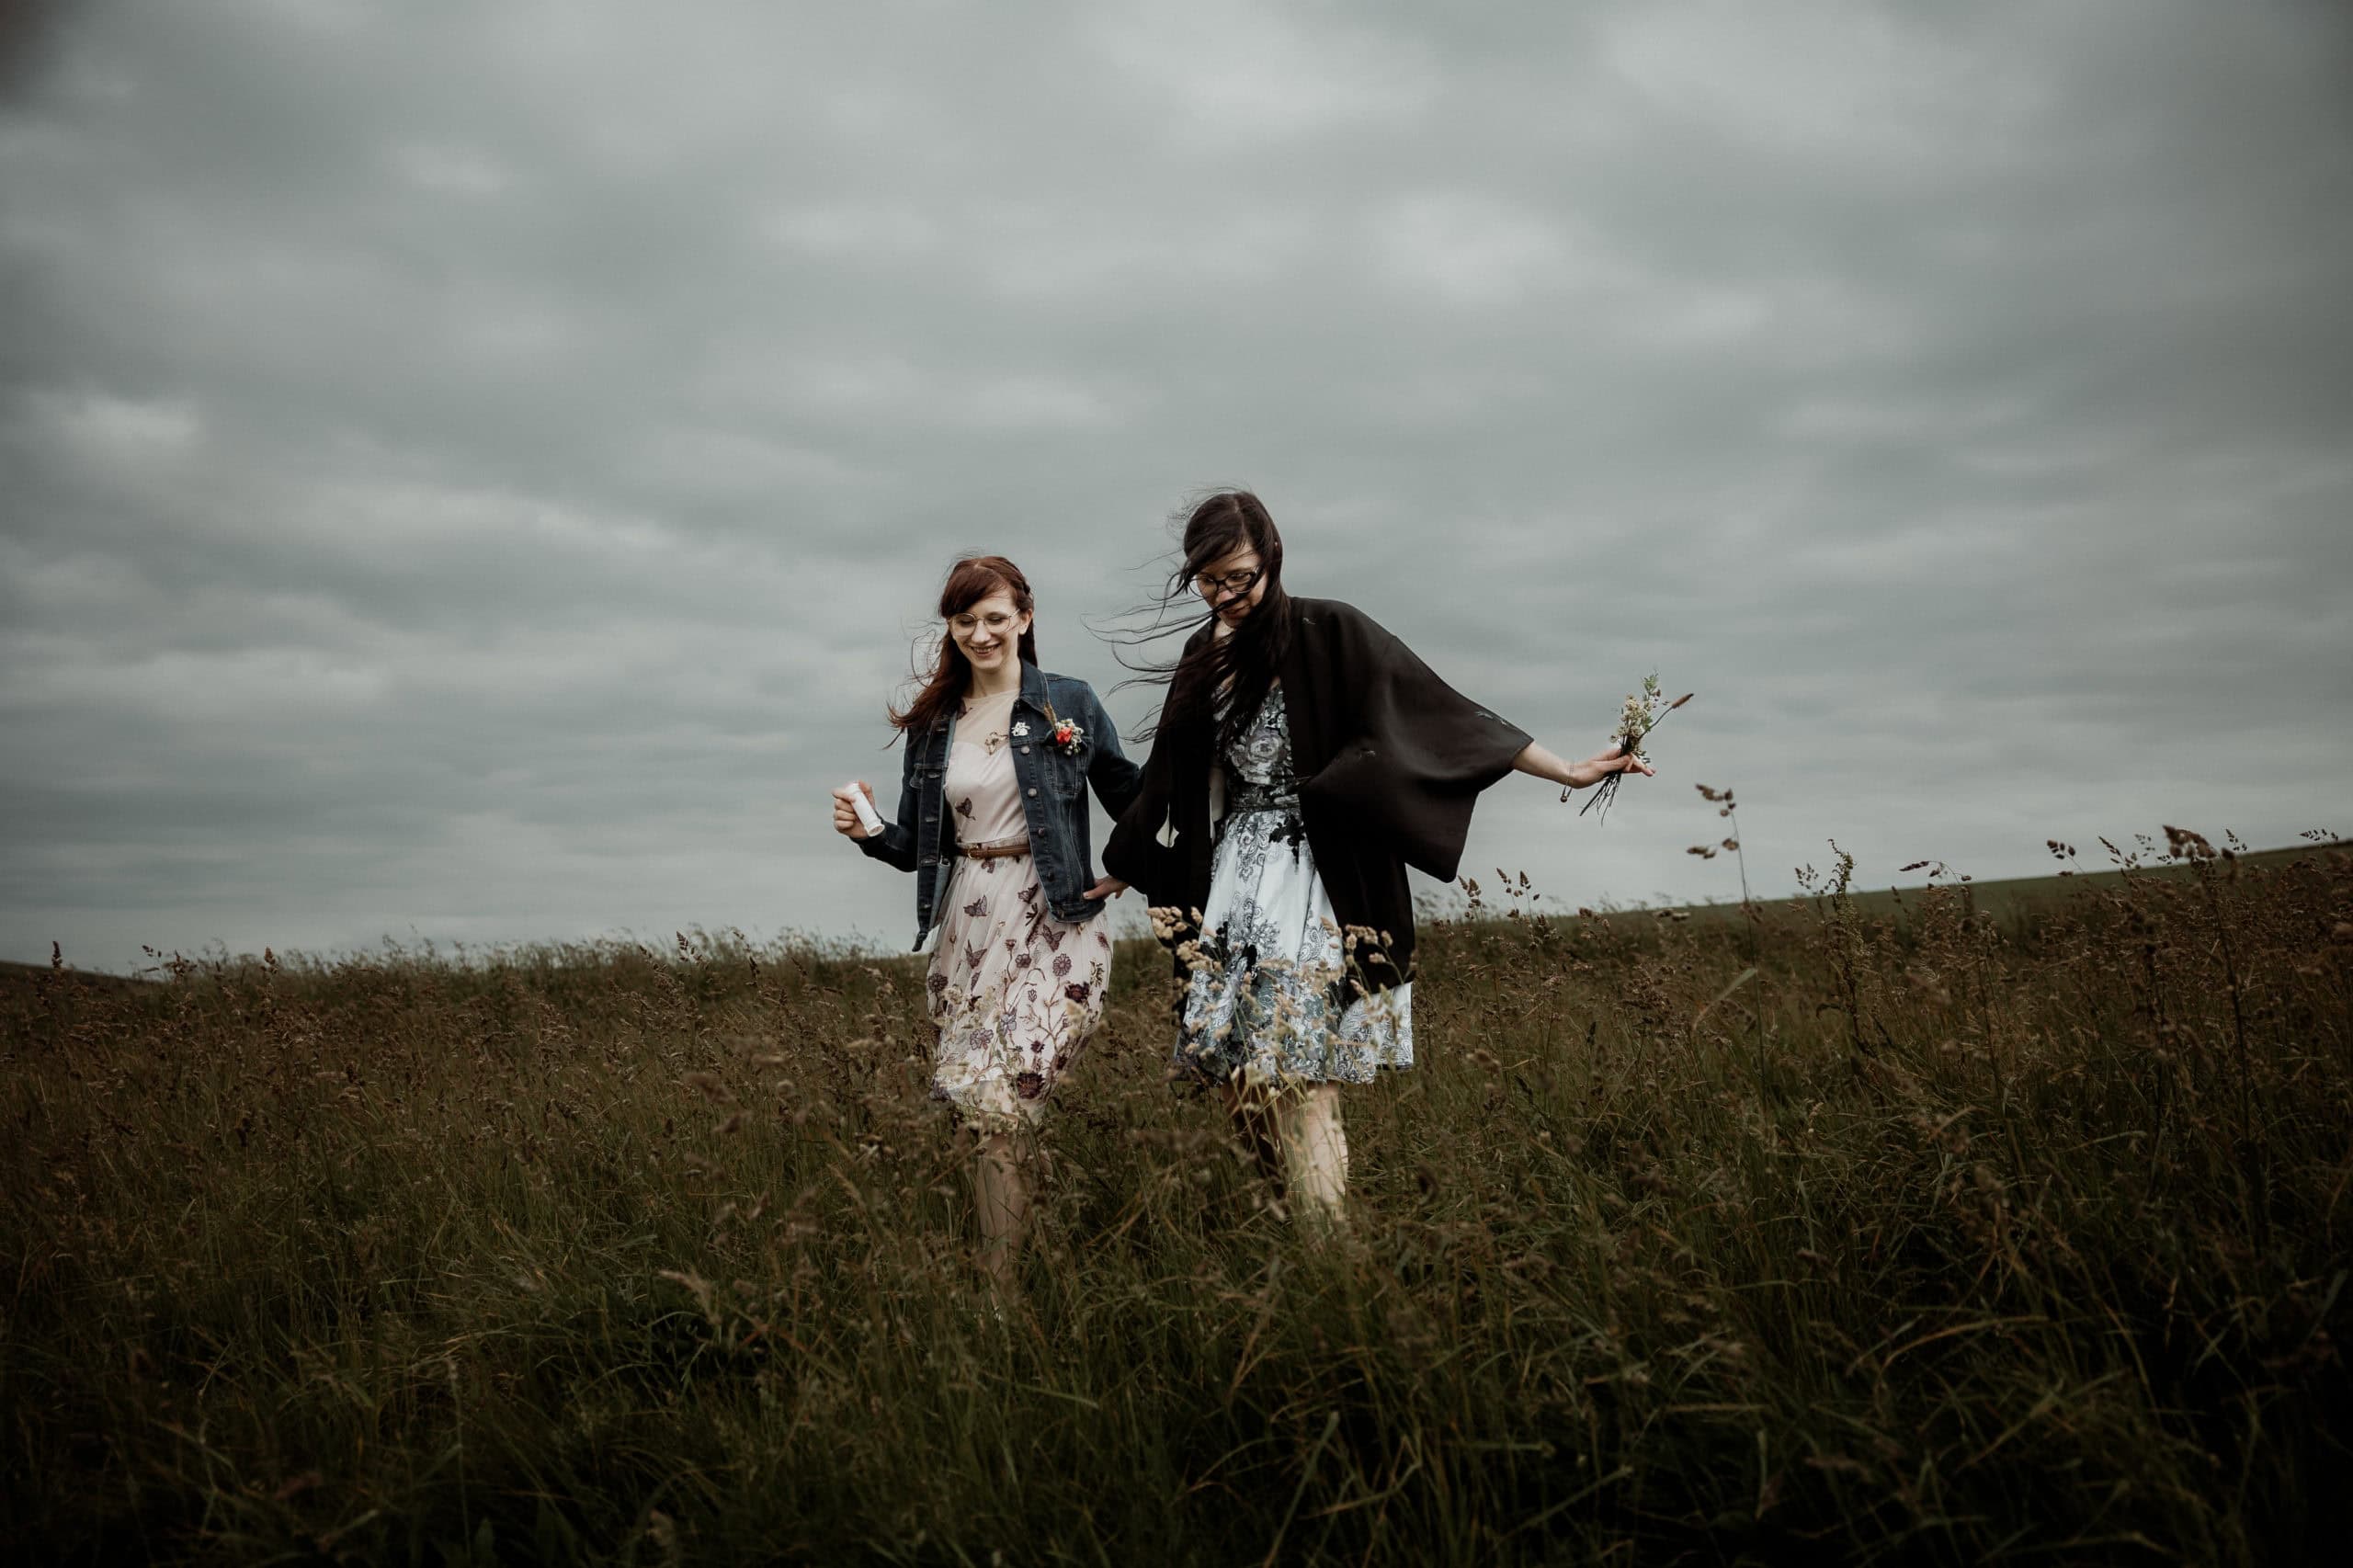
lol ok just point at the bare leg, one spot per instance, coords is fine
(1315, 1155)
(1001, 1198)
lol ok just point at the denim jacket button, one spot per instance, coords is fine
(1033, 792)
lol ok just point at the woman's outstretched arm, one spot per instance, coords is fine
(1534, 758)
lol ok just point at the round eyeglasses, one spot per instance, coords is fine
(1231, 582)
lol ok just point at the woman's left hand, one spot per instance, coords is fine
(1602, 764)
(1109, 887)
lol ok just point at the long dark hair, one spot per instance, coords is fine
(1222, 681)
(969, 582)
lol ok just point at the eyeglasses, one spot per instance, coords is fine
(1231, 582)
(967, 624)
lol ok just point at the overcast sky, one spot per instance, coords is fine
(476, 471)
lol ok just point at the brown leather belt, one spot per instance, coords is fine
(997, 851)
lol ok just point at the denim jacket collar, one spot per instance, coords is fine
(1033, 688)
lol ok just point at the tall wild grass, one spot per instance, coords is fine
(1832, 1232)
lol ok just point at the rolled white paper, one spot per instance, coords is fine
(868, 817)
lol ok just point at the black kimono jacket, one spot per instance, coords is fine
(1390, 760)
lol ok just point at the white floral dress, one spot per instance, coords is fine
(1272, 998)
(1013, 990)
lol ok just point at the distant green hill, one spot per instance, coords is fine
(24, 973)
(2004, 899)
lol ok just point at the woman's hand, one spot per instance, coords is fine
(1535, 759)
(1602, 764)
(845, 821)
(1109, 887)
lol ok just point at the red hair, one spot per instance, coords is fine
(969, 582)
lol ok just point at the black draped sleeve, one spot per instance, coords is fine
(1134, 852)
(1160, 845)
(1407, 754)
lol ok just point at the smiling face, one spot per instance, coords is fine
(988, 632)
(1232, 585)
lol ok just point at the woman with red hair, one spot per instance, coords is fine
(993, 820)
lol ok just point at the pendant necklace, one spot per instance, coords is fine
(989, 742)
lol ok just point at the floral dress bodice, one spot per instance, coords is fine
(1257, 765)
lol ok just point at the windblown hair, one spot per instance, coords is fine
(1221, 682)
(969, 582)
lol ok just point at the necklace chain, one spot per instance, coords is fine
(992, 741)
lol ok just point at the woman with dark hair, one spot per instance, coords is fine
(992, 821)
(1303, 759)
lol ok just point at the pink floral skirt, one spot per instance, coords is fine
(1013, 990)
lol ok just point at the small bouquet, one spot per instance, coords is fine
(1641, 715)
(1062, 734)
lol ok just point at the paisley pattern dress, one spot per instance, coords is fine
(1271, 997)
(1014, 992)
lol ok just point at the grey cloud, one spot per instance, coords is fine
(482, 470)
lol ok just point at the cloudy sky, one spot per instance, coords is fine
(476, 471)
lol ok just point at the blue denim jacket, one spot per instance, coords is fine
(1054, 799)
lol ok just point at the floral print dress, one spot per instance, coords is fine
(1270, 997)
(1015, 992)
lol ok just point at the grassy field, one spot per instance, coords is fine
(1935, 1228)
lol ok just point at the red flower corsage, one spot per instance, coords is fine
(1066, 737)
